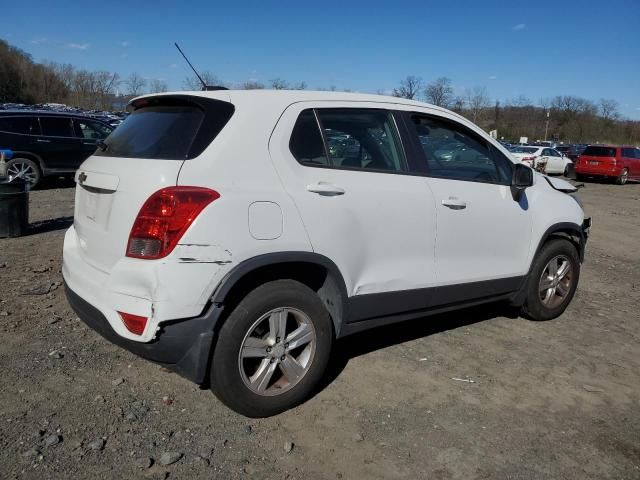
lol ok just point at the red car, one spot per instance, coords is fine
(620, 163)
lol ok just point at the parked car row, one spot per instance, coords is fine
(112, 118)
(544, 159)
(48, 143)
(620, 163)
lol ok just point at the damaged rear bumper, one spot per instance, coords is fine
(183, 346)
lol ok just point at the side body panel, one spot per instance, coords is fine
(380, 232)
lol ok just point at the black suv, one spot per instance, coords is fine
(48, 143)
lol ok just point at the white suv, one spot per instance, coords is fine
(234, 235)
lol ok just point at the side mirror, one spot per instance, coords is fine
(522, 178)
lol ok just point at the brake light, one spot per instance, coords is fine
(164, 218)
(134, 323)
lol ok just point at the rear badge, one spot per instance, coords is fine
(82, 178)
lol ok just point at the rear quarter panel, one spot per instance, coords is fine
(238, 166)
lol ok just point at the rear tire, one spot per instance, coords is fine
(553, 280)
(26, 169)
(623, 177)
(257, 370)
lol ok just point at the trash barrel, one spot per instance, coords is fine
(14, 208)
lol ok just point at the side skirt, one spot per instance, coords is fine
(363, 312)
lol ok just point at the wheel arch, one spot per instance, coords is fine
(17, 154)
(312, 269)
(568, 230)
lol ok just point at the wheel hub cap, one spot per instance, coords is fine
(277, 351)
(556, 281)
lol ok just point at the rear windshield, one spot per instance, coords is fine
(168, 130)
(525, 150)
(599, 152)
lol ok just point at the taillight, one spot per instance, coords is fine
(134, 323)
(164, 218)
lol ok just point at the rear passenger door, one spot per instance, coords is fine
(57, 145)
(631, 161)
(346, 170)
(482, 233)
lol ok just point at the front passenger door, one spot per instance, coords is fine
(90, 134)
(482, 233)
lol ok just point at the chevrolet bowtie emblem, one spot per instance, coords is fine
(82, 178)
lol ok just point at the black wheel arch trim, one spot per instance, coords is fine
(17, 154)
(253, 264)
(560, 228)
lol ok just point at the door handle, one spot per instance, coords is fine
(42, 140)
(325, 189)
(90, 143)
(454, 204)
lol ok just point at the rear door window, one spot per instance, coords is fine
(56, 127)
(21, 125)
(306, 143)
(364, 139)
(168, 129)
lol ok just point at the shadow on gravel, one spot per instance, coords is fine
(45, 226)
(51, 183)
(382, 337)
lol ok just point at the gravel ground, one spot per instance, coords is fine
(558, 399)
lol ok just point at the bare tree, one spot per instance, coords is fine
(608, 109)
(299, 86)
(457, 104)
(409, 87)
(157, 86)
(252, 85)
(135, 84)
(104, 86)
(477, 102)
(279, 84)
(439, 92)
(193, 83)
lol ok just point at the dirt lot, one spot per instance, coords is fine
(558, 399)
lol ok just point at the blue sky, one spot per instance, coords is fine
(537, 49)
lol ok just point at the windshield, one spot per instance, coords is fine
(525, 150)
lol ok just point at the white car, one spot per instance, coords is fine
(218, 234)
(554, 162)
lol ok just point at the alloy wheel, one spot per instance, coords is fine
(556, 281)
(277, 351)
(22, 170)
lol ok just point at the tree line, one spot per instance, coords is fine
(565, 118)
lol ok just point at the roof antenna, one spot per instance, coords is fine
(205, 87)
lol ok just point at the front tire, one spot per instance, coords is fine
(272, 350)
(623, 177)
(553, 280)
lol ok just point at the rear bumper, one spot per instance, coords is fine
(602, 170)
(183, 346)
